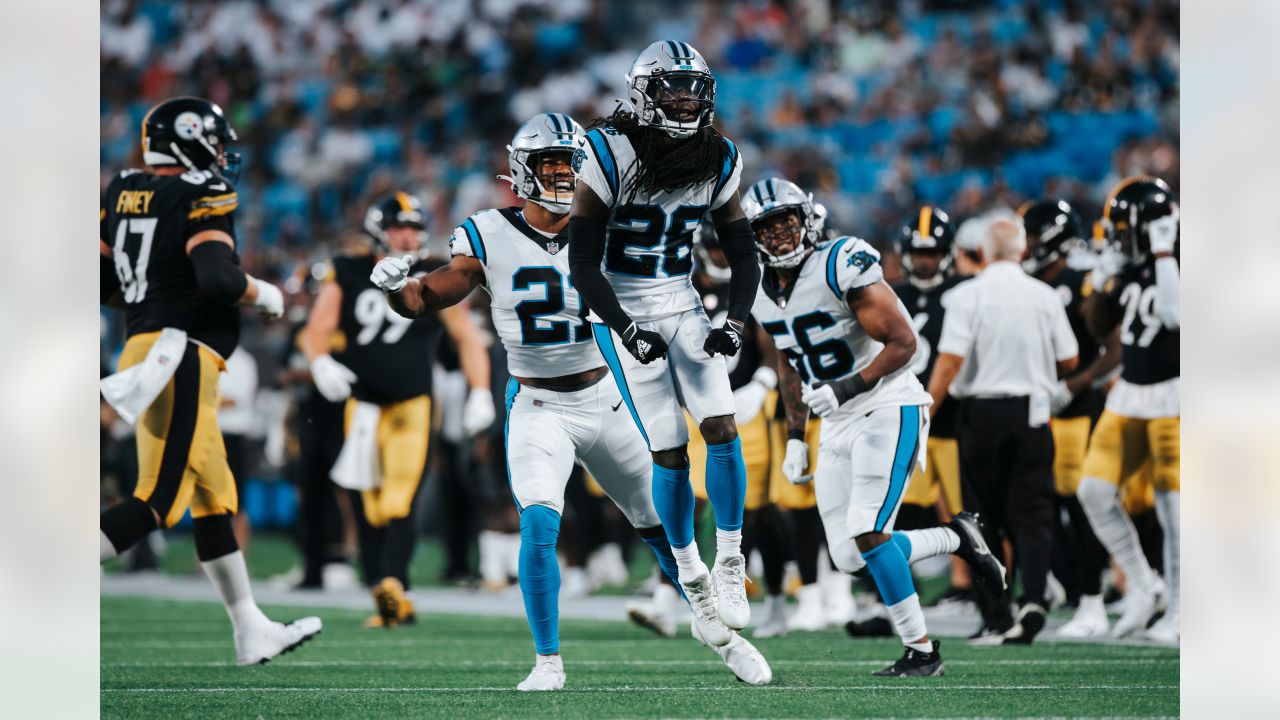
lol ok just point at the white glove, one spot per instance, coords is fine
(332, 378)
(391, 273)
(1060, 398)
(1163, 232)
(795, 465)
(821, 400)
(478, 413)
(270, 300)
(749, 399)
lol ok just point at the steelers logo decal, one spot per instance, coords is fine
(188, 126)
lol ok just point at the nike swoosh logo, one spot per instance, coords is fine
(615, 407)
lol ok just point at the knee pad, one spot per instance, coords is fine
(214, 537)
(847, 558)
(1095, 494)
(127, 523)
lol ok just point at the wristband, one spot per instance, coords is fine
(795, 434)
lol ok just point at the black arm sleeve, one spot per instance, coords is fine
(586, 250)
(739, 245)
(108, 281)
(217, 272)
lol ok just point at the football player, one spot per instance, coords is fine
(385, 376)
(168, 258)
(648, 175)
(1055, 236)
(561, 403)
(849, 345)
(1142, 416)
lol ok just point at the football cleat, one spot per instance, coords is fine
(877, 626)
(837, 595)
(702, 601)
(392, 605)
(264, 640)
(914, 663)
(746, 662)
(1165, 631)
(658, 614)
(547, 675)
(809, 616)
(730, 579)
(987, 570)
(1090, 620)
(1030, 622)
(990, 635)
(1140, 606)
(775, 618)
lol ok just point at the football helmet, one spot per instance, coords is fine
(669, 74)
(188, 132)
(1130, 207)
(771, 196)
(929, 230)
(1054, 230)
(400, 209)
(541, 136)
(705, 241)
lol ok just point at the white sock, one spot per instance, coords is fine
(553, 659)
(728, 543)
(932, 542)
(924, 647)
(688, 560)
(1092, 604)
(231, 576)
(1115, 530)
(492, 567)
(106, 550)
(1167, 506)
(908, 619)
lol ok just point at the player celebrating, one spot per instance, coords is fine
(168, 247)
(1141, 421)
(849, 344)
(386, 383)
(649, 175)
(560, 403)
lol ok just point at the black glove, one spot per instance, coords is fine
(645, 345)
(725, 340)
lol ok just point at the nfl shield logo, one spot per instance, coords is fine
(553, 247)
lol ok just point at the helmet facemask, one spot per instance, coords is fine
(549, 180)
(678, 103)
(784, 236)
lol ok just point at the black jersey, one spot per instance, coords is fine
(1073, 287)
(926, 311)
(1149, 350)
(391, 355)
(146, 220)
(742, 366)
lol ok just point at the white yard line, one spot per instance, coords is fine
(635, 663)
(773, 688)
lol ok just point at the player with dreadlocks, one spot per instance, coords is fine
(649, 174)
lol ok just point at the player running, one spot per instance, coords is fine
(168, 246)
(561, 405)
(648, 176)
(849, 344)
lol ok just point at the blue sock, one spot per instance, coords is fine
(540, 576)
(891, 572)
(673, 499)
(904, 545)
(727, 483)
(656, 539)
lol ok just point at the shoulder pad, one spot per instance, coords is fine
(852, 263)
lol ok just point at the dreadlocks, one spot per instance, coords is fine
(665, 166)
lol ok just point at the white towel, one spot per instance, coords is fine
(132, 391)
(357, 466)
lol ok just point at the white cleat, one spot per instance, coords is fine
(810, 615)
(1090, 620)
(1166, 630)
(658, 614)
(730, 579)
(547, 675)
(746, 662)
(1140, 605)
(264, 640)
(775, 618)
(702, 601)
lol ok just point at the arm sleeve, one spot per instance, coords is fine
(1168, 293)
(957, 323)
(730, 177)
(740, 250)
(586, 250)
(852, 265)
(218, 273)
(1065, 346)
(594, 164)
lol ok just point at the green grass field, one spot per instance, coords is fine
(165, 659)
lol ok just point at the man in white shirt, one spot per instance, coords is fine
(1005, 341)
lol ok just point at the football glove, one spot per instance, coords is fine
(1060, 397)
(645, 345)
(270, 300)
(748, 399)
(795, 464)
(825, 398)
(332, 378)
(1162, 233)
(725, 340)
(391, 273)
(478, 412)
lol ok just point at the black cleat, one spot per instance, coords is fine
(871, 627)
(990, 634)
(914, 663)
(1030, 622)
(987, 570)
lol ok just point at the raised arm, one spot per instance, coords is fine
(444, 287)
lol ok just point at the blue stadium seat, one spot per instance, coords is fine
(386, 145)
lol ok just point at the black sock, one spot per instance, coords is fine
(808, 526)
(214, 537)
(401, 537)
(126, 523)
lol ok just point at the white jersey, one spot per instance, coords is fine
(813, 326)
(649, 243)
(537, 313)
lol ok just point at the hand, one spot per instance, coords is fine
(332, 378)
(725, 340)
(820, 398)
(645, 345)
(795, 465)
(1060, 398)
(747, 401)
(478, 413)
(270, 301)
(391, 273)
(1163, 233)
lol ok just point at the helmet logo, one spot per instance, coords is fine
(188, 126)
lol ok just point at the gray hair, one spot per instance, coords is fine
(1006, 239)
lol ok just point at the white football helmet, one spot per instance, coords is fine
(667, 73)
(771, 196)
(543, 134)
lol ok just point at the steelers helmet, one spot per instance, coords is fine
(189, 132)
(1130, 207)
(669, 72)
(400, 209)
(773, 196)
(1054, 230)
(928, 230)
(705, 241)
(543, 135)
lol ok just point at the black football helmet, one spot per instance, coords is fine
(399, 209)
(1054, 230)
(929, 230)
(189, 132)
(1132, 204)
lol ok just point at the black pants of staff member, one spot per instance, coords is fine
(322, 531)
(1006, 475)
